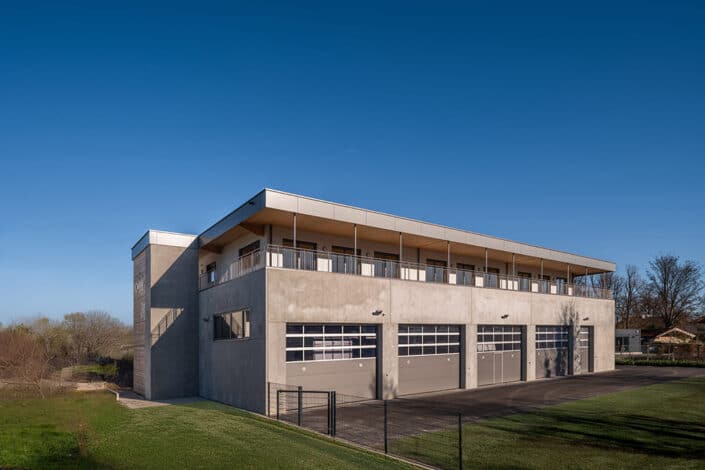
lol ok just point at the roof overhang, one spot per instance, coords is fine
(159, 237)
(276, 208)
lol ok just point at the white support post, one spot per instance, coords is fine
(294, 230)
(355, 240)
(485, 260)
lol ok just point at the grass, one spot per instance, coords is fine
(91, 430)
(660, 426)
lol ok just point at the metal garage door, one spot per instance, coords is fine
(333, 357)
(584, 351)
(499, 356)
(551, 351)
(429, 358)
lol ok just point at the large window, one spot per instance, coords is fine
(551, 337)
(426, 340)
(498, 338)
(231, 325)
(330, 342)
(465, 273)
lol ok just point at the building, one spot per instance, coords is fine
(293, 290)
(628, 340)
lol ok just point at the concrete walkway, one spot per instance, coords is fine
(132, 400)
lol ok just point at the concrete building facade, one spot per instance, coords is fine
(292, 290)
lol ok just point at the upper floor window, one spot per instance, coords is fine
(210, 273)
(231, 325)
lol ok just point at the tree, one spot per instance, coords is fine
(628, 297)
(94, 334)
(24, 358)
(674, 289)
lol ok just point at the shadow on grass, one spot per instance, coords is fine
(630, 432)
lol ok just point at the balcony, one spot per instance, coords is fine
(275, 256)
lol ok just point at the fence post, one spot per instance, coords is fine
(460, 441)
(330, 416)
(334, 417)
(300, 394)
(278, 404)
(385, 427)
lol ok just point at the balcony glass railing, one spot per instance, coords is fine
(276, 256)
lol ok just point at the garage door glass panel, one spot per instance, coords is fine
(330, 342)
(428, 340)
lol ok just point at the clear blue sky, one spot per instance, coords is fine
(580, 128)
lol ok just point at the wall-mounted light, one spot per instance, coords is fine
(505, 316)
(377, 313)
(586, 318)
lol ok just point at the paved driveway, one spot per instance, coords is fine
(363, 422)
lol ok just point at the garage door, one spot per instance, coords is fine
(551, 351)
(332, 357)
(499, 357)
(429, 358)
(584, 351)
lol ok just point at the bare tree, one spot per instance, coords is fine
(24, 358)
(627, 300)
(673, 290)
(94, 334)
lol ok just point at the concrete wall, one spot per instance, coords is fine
(140, 297)
(314, 297)
(173, 312)
(234, 371)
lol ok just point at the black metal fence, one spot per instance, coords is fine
(414, 429)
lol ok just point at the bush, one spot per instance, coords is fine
(658, 362)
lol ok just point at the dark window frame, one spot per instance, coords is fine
(246, 322)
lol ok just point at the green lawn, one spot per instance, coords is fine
(661, 426)
(91, 430)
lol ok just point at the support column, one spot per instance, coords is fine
(401, 254)
(470, 355)
(530, 348)
(355, 239)
(294, 237)
(485, 260)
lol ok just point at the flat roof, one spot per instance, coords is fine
(283, 201)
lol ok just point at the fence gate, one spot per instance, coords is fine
(314, 409)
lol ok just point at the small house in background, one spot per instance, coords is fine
(628, 340)
(674, 336)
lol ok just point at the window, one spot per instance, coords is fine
(246, 250)
(498, 338)
(551, 337)
(465, 273)
(330, 342)
(435, 270)
(427, 340)
(561, 285)
(524, 281)
(210, 273)
(304, 257)
(491, 277)
(545, 284)
(344, 261)
(249, 256)
(231, 325)
(386, 264)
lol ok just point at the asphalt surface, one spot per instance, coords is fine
(363, 422)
